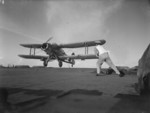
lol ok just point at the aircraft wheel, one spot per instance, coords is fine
(45, 63)
(73, 53)
(73, 62)
(60, 64)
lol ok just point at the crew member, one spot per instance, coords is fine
(103, 56)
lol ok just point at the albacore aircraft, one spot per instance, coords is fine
(55, 51)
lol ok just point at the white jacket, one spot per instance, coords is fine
(101, 49)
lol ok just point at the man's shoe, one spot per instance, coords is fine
(97, 74)
(100, 74)
(121, 74)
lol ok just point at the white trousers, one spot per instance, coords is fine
(105, 58)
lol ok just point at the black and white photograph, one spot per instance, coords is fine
(74, 56)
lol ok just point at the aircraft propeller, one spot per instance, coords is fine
(49, 39)
(46, 44)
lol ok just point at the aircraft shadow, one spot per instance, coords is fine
(81, 91)
(27, 98)
(38, 97)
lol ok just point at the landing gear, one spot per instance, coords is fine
(73, 62)
(45, 63)
(60, 63)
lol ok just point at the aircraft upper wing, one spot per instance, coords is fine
(82, 44)
(70, 45)
(82, 57)
(34, 57)
(31, 45)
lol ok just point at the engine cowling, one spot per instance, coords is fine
(45, 46)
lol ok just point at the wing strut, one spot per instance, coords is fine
(34, 51)
(86, 48)
(30, 53)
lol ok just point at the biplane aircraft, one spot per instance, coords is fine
(55, 52)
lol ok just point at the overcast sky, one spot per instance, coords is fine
(124, 24)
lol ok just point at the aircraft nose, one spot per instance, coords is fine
(44, 46)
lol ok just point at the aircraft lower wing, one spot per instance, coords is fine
(33, 57)
(82, 57)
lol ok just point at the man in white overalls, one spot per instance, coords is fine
(103, 56)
